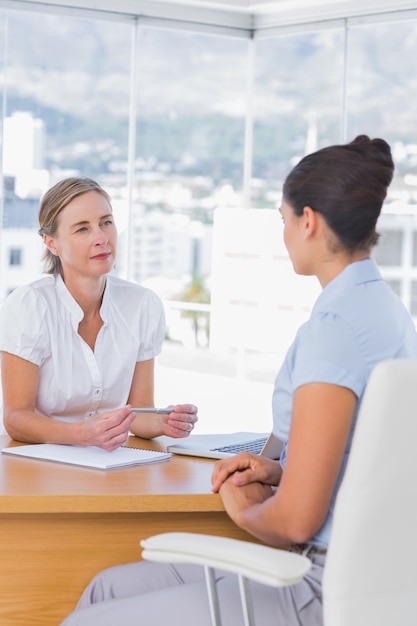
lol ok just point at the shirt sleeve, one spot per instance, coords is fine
(23, 327)
(328, 351)
(151, 327)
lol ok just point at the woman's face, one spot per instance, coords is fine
(293, 236)
(86, 237)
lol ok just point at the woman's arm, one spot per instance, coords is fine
(321, 421)
(179, 423)
(20, 379)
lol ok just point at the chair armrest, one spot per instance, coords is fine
(269, 566)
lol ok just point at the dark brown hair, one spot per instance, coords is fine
(347, 184)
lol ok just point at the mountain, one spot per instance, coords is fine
(74, 73)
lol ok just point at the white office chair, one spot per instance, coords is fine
(370, 577)
(250, 561)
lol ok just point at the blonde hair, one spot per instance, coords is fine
(52, 203)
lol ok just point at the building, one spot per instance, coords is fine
(23, 156)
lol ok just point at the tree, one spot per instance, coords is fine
(196, 292)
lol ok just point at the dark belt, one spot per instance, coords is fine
(307, 548)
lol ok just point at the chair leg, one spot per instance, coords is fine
(245, 596)
(247, 604)
(212, 596)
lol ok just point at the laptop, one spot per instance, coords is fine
(223, 446)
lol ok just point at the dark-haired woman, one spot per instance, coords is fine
(78, 346)
(331, 203)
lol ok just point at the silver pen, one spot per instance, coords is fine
(150, 409)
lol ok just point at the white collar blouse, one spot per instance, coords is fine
(39, 323)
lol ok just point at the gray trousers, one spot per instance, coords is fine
(156, 594)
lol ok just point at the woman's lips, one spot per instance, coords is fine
(101, 257)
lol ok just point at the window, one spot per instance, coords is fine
(389, 248)
(66, 104)
(381, 88)
(15, 256)
(163, 130)
(297, 104)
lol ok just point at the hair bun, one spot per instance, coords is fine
(380, 144)
(361, 139)
(347, 184)
(377, 149)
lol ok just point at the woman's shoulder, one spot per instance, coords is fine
(34, 291)
(126, 291)
(121, 285)
(27, 307)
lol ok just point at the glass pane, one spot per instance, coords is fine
(381, 88)
(15, 256)
(189, 161)
(67, 85)
(389, 248)
(381, 94)
(189, 158)
(414, 260)
(297, 105)
(414, 298)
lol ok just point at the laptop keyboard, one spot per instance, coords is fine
(255, 446)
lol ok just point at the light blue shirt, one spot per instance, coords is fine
(356, 322)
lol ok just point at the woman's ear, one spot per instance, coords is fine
(311, 221)
(50, 244)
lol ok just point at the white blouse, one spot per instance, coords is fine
(39, 323)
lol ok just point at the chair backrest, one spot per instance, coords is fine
(370, 578)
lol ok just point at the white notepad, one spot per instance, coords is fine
(90, 456)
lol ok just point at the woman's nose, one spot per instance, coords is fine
(100, 237)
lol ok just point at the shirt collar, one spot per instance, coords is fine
(72, 305)
(354, 274)
(105, 302)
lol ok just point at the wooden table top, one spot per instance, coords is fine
(36, 486)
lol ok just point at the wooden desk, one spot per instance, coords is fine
(61, 524)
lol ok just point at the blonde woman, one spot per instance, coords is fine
(78, 346)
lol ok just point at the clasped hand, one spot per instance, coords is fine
(246, 468)
(244, 482)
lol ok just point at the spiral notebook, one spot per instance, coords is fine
(90, 456)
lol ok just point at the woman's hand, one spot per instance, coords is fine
(237, 500)
(106, 430)
(180, 422)
(244, 469)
